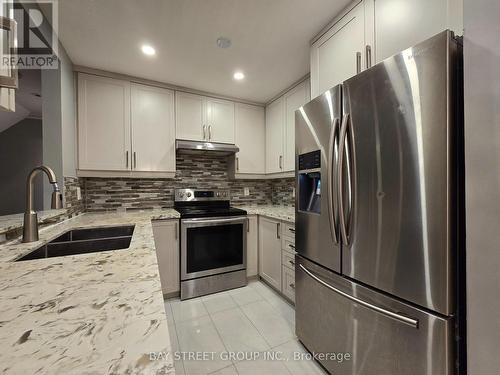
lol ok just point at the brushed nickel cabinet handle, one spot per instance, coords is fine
(176, 230)
(358, 62)
(135, 160)
(237, 164)
(291, 230)
(278, 230)
(292, 285)
(126, 159)
(291, 262)
(368, 50)
(204, 132)
(281, 162)
(209, 132)
(291, 246)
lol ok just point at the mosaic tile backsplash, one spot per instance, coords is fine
(193, 171)
(73, 205)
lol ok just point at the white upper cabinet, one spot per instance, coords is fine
(294, 99)
(400, 24)
(153, 129)
(374, 30)
(220, 120)
(275, 113)
(190, 116)
(250, 131)
(341, 52)
(200, 118)
(103, 123)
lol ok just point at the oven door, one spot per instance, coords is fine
(211, 246)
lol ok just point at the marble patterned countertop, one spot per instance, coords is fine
(13, 222)
(285, 213)
(89, 313)
(99, 313)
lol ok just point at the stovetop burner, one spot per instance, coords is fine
(192, 203)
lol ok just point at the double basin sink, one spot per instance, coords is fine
(84, 241)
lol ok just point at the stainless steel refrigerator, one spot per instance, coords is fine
(378, 216)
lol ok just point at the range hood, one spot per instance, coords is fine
(205, 147)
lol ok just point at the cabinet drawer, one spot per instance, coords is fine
(288, 230)
(288, 260)
(288, 283)
(288, 244)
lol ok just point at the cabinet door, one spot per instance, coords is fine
(166, 235)
(7, 95)
(334, 55)
(153, 129)
(250, 138)
(294, 99)
(252, 247)
(189, 116)
(401, 24)
(220, 120)
(103, 123)
(274, 136)
(270, 251)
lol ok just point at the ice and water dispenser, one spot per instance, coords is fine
(309, 194)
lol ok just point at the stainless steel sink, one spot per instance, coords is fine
(84, 241)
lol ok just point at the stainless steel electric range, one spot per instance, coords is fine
(213, 242)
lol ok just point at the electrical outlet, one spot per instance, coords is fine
(78, 193)
(293, 192)
(246, 191)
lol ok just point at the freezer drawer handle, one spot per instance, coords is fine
(390, 314)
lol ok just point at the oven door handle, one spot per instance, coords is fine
(216, 221)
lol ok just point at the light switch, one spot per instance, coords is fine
(246, 191)
(78, 193)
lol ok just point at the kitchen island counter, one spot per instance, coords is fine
(89, 313)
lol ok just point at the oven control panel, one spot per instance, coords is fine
(193, 195)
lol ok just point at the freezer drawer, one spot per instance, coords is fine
(381, 335)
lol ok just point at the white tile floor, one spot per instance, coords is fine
(245, 320)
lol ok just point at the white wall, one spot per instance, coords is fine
(20, 152)
(482, 137)
(68, 114)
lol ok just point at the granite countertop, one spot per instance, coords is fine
(15, 221)
(90, 313)
(285, 213)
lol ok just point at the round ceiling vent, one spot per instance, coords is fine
(223, 42)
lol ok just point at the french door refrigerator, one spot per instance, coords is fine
(378, 216)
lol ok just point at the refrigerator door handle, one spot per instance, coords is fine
(340, 176)
(332, 207)
(346, 149)
(401, 318)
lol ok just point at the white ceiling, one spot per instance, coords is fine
(270, 40)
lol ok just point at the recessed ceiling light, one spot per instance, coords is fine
(148, 50)
(238, 76)
(223, 42)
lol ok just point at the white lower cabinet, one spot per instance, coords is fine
(270, 251)
(288, 283)
(166, 235)
(252, 246)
